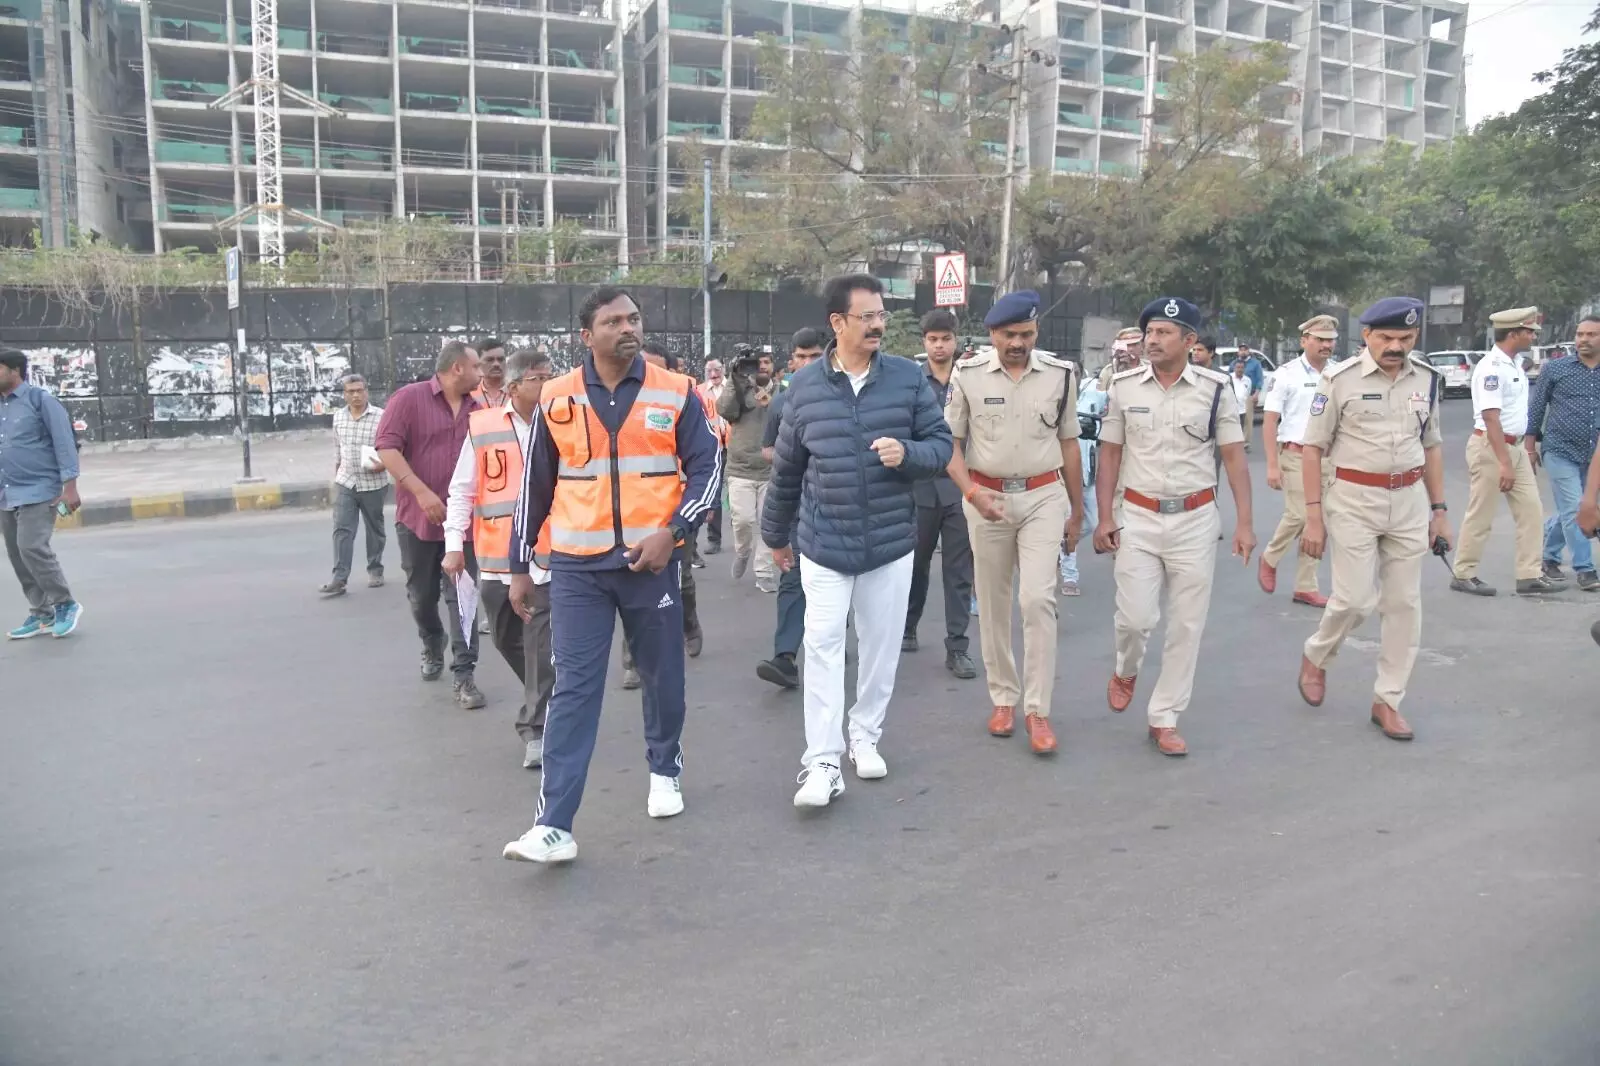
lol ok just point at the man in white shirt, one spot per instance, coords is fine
(358, 492)
(1283, 432)
(1497, 465)
(483, 498)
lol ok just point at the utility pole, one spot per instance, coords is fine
(705, 254)
(1147, 123)
(1021, 56)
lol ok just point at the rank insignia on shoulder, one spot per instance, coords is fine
(1491, 382)
(1319, 403)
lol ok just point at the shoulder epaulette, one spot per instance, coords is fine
(1339, 368)
(1051, 359)
(1213, 375)
(1128, 373)
(975, 359)
(1418, 360)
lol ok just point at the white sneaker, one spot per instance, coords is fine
(666, 797)
(533, 755)
(869, 764)
(542, 844)
(819, 784)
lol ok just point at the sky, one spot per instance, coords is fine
(1509, 41)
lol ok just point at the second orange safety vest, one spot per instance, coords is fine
(497, 457)
(614, 491)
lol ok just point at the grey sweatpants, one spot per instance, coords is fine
(27, 531)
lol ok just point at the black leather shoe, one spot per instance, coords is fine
(779, 670)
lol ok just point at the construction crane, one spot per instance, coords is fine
(266, 89)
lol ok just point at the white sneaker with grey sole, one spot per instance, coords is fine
(666, 797)
(869, 764)
(542, 844)
(819, 784)
(533, 754)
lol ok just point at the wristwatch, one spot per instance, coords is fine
(1438, 507)
(680, 531)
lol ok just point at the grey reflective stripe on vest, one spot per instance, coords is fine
(498, 436)
(662, 396)
(503, 509)
(562, 537)
(494, 564)
(633, 464)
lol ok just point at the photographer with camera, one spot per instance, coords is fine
(743, 404)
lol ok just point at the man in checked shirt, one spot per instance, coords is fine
(359, 493)
(1562, 421)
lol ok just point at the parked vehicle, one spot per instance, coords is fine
(1457, 367)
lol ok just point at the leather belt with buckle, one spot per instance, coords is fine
(1509, 438)
(1397, 480)
(1175, 505)
(1015, 484)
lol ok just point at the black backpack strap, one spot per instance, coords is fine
(1433, 397)
(1216, 401)
(1061, 408)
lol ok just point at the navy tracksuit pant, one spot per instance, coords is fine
(584, 605)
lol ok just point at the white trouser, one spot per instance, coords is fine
(746, 499)
(879, 598)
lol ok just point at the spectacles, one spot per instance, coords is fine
(869, 317)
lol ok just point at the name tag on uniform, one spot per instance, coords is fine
(1372, 396)
(1308, 385)
(994, 399)
(658, 418)
(1138, 410)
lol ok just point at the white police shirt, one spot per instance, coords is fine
(1498, 384)
(1293, 386)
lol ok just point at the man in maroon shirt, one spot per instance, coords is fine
(419, 439)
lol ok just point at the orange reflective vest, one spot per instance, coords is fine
(719, 425)
(497, 455)
(613, 492)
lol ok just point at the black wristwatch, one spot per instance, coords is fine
(1438, 507)
(680, 531)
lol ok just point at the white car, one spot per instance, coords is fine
(1457, 367)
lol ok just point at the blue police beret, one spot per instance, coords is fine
(1171, 309)
(1013, 307)
(1393, 312)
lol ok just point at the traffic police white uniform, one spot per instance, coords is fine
(1293, 386)
(1494, 451)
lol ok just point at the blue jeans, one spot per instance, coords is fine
(1566, 485)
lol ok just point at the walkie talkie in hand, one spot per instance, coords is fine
(1441, 548)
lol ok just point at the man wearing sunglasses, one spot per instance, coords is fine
(1157, 437)
(1013, 410)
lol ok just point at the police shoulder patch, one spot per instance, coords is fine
(1491, 382)
(1319, 403)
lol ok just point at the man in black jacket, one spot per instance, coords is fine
(859, 427)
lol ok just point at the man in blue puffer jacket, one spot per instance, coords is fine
(859, 426)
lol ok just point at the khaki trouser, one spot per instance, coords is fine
(1020, 549)
(746, 498)
(1483, 491)
(1377, 541)
(1180, 552)
(1293, 522)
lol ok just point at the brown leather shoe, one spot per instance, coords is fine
(1168, 742)
(1388, 719)
(1119, 692)
(1002, 722)
(1313, 682)
(1311, 599)
(1040, 736)
(1267, 577)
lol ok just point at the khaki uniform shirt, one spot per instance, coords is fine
(1363, 421)
(1166, 437)
(1013, 428)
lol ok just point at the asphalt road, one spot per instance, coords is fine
(238, 829)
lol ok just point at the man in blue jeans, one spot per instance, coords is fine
(1563, 417)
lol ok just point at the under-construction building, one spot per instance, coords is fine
(63, 84)
(500, 117)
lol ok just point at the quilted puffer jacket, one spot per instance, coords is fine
(854, 514)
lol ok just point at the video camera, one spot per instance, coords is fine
(745, 361)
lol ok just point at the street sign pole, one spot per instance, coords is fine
(241, 385)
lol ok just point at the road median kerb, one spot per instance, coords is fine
(204, 503)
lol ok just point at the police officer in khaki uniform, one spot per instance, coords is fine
(1127, 352)
(1283, 433)
(1496, 463)
(1376, 416)
(1016, 410)
(1157, 437)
